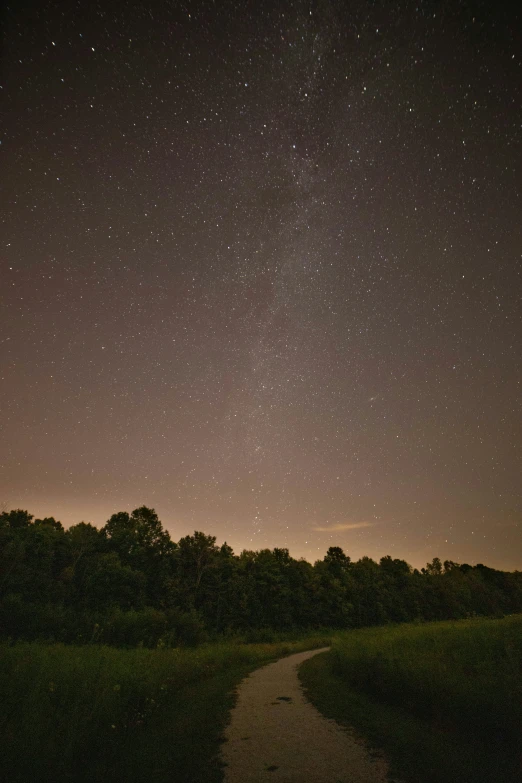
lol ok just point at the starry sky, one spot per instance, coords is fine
(261, 271)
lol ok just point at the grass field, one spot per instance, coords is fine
(98, 713)
(444, 700)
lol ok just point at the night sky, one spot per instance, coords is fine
(261, 271)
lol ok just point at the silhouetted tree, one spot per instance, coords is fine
(129, 583)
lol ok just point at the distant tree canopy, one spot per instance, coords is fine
(129, 583)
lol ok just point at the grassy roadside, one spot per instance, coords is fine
(442, 700)
(98, 713)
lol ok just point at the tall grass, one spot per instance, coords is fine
(464, 675)
(444, 700)
(91, 712)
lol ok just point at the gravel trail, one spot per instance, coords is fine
(275, 734)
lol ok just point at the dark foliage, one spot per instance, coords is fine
(129, 584)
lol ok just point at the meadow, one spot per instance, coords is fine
(444, 700)
(85, 713)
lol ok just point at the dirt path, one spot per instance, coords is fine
(275, 734)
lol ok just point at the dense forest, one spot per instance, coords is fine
(128, 583)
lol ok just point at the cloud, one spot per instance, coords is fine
(343, 526)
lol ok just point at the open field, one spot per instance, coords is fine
(91, 713)
(444, 700)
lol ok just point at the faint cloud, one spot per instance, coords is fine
(343, 526)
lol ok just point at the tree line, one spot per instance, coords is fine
(128, 583)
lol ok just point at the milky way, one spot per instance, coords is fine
(261, 271)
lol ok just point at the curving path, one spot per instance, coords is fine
(275, 734)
